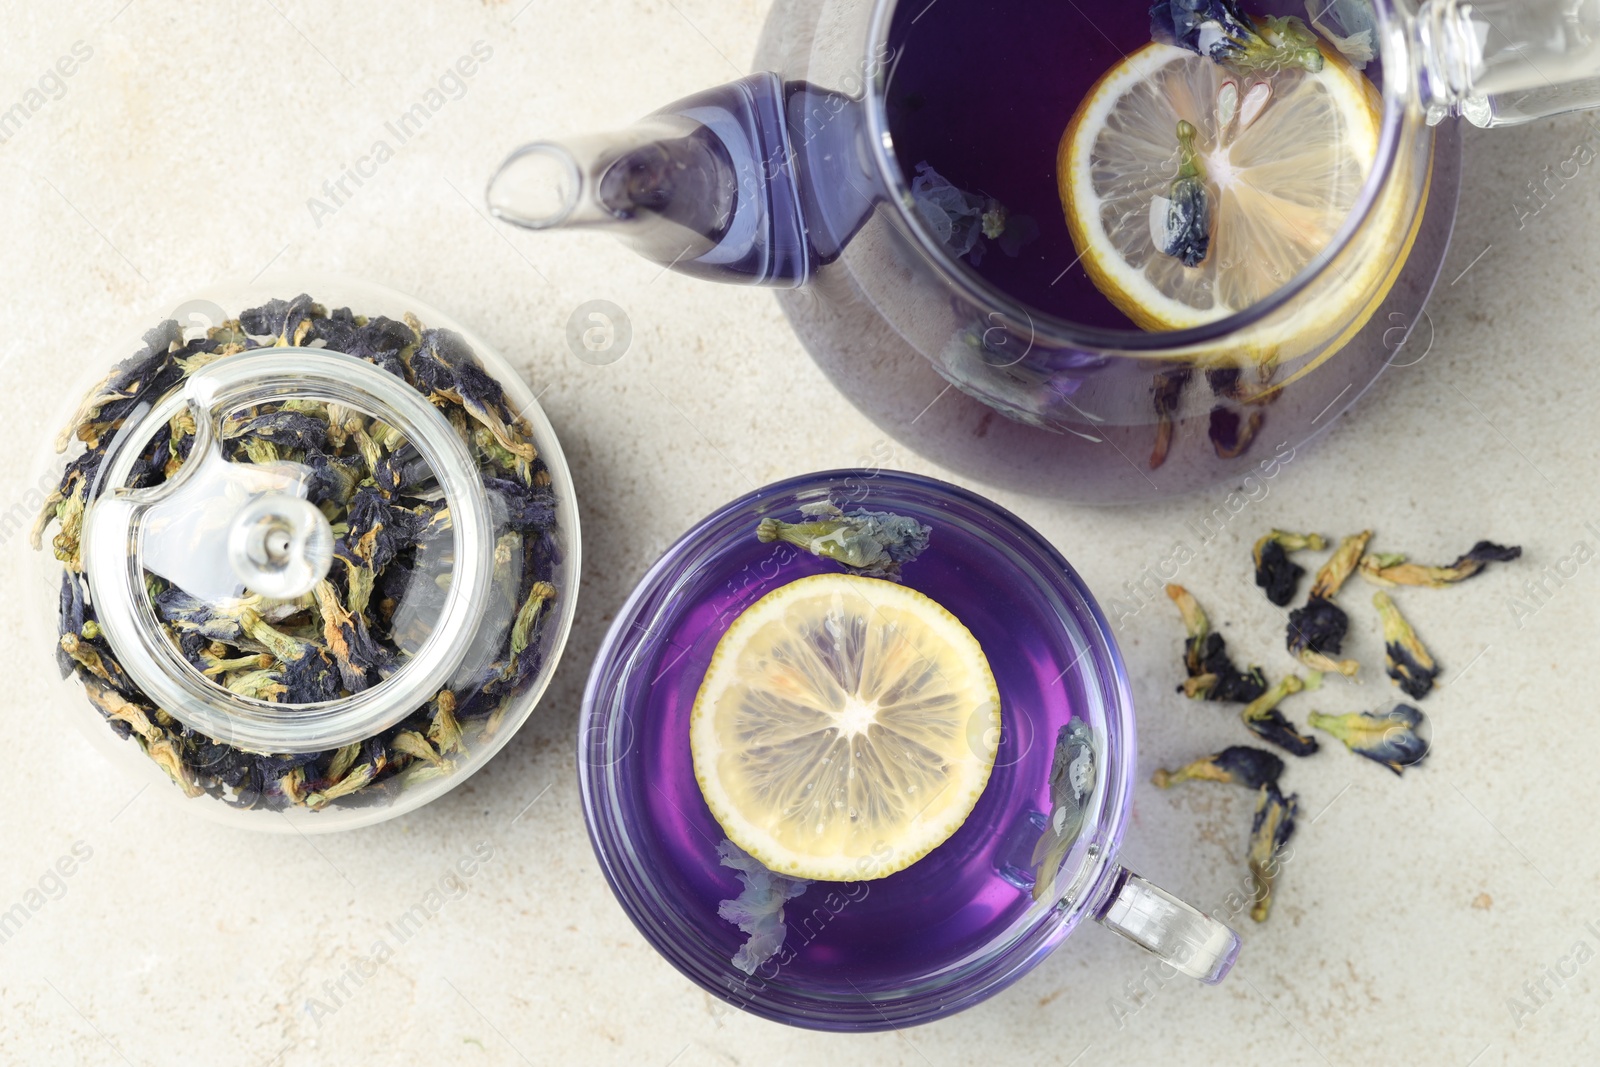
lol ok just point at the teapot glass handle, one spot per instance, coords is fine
(1185, 938)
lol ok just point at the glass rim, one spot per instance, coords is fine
(1053, 330)
(984, 972)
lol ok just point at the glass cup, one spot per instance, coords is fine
(971, 917)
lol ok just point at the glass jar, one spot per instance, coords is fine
(312, 557)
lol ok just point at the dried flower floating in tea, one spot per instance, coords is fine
(1262, 718)
(1409, 663)
(1393, 738)
(1276, 573)
(1231, 436)
(1167, 394)
(963, 221)
(1356, 17)
(1235, 765)
(1270, 832)
(1212, 675)
(758, 909)
(873, 543)
(1223, 33)
(1072, 774)
(1317, 630)
(392, 557)
(1180, 222)
(1391, 570)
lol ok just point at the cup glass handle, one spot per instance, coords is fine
(1185, 938)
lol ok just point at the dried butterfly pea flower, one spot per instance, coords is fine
(446, 369)
(381, 341)
(1275, 571)
(1262, 718)
(1167, 394)
(1223, 33)
(526, 507)
(257, 684)
(1393, 738)
(1317, 630)
(147, 373)
(333, 479)
(1228, 381)
(287, 430)
(72, 614)
(500, 456)
(1331, 578)
(347, 640)
(1235, 765)
(874, 543)
(1231, 436)
(65, 507)
(288, 322)
(962, 220)
(539, 595)
(1072, 776)
(214, 661)
(97, 659)
(1270, 831)
(1390, 570)
(211, 621)
(758, 909)
(1316, 634)
(150, 466)
(444, 732)
(1180, 222)
(1212, 675)
(1409, 663)
(379, 529)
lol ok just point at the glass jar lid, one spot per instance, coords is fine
(234, 552)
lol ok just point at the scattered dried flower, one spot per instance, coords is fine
(1275, 571)
(1270, 831)
(1395, 738)
(1390, 570)
(1212, 675)
(1262, 718)
(1409, 663)
(1317, 630)
(1236, 765)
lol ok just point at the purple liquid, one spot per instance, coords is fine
(983, 91)
(845, 941)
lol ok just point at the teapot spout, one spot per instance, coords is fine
(707, 186)
(664, 187)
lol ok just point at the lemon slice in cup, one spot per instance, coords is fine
(1285, 156)
(845, 728)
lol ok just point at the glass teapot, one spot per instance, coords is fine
(800, 178)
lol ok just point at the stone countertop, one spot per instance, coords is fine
(1451, 917)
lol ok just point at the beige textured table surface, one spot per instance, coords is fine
(185, 148)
